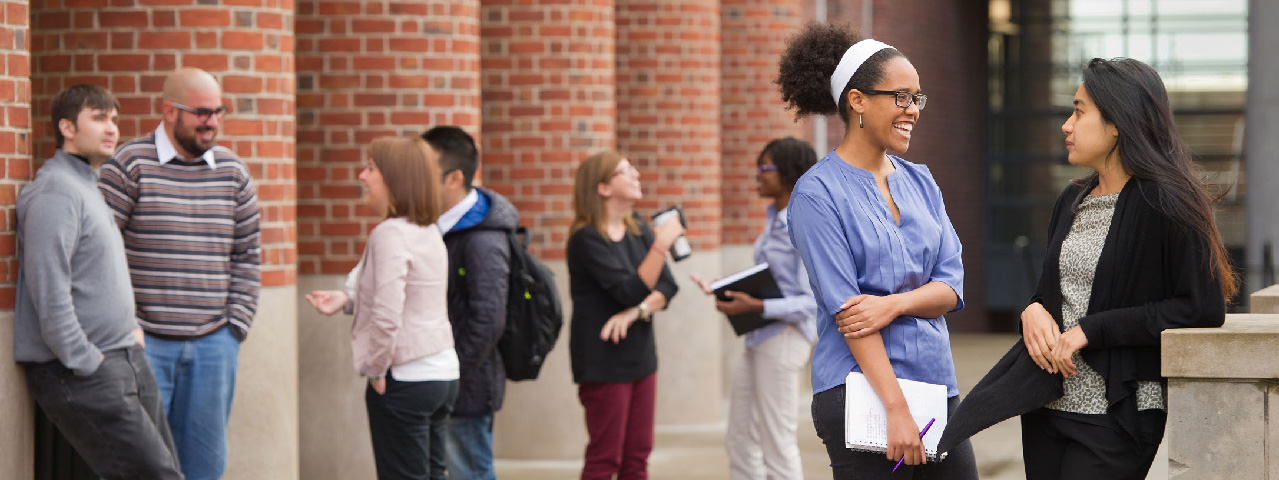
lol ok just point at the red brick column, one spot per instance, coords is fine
(668, 107)
(18, 437)
(668, 122)
(548, 103)
(15, 135)
(130, 50)
(368, 69)
(752, 112)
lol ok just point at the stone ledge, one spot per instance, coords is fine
(1243, 348)
(1265, 300)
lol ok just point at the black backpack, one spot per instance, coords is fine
(533, 313)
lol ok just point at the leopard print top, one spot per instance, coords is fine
(1086, 391)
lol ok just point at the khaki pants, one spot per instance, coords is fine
(765, 401)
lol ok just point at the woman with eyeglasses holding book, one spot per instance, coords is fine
(881, 254)
(766, 377)
(1133, 250)
(617, 279)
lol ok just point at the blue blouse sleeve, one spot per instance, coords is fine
(816, 231)
(950, 263)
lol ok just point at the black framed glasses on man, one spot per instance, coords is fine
(202, 113)
(903, 98)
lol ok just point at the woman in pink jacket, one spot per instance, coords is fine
(401, 339)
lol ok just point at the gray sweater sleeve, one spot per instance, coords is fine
(49, 235)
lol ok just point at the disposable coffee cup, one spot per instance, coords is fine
(680, 249)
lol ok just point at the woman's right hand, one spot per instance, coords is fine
(327, 302)
(1040, 332)
(903, 438)
(667, 233)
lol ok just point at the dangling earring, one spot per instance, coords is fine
(859, 121)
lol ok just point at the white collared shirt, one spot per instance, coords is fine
(450, 218)
(166, 152)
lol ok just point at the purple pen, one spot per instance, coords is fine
(921, 436)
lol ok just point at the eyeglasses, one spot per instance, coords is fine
(766, 168)
(903, 99)
(202, 113)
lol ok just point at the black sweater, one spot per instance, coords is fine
(1153, 275)
(604, 280)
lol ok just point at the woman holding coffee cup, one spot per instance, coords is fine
(617, 277)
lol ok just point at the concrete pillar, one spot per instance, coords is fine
(1261, 120)
(249, 49)
(668, 123)
(366, 69)
(548, 82)
(1223, 385)
(17, 423)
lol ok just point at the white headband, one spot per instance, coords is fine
(853, 59)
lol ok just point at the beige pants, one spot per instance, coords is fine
(765, 402)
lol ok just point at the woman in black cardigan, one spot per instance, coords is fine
(1133, 250)
(617, 279)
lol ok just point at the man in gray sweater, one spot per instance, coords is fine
(74, 325)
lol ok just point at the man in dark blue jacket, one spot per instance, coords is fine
(474, 228)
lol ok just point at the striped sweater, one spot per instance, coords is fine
(191, 237)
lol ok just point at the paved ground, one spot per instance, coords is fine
(697, 452)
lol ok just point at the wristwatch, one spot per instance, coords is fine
(644, 312)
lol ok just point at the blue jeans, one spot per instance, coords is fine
(196, 378)
(469, 448)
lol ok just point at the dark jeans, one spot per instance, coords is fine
(408, 424)
(619, 420)
(1060, 445)
(828, 420)
(113, 418)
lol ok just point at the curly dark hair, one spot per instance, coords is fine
(803, 74)
(792, 156)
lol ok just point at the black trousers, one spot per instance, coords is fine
(1067, 446)
(828, 420)
(408, 424)
(113, 418)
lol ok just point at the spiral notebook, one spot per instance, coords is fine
(866, 423)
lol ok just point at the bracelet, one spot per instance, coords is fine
(657, 249)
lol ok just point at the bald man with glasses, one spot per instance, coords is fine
(188, 211)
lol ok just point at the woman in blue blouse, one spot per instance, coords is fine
(766, 377)
(882, 256)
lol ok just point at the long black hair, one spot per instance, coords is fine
(1131, 96)
(792, 156)
(803, 74)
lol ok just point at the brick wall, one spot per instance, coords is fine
(368, 69)
(668, 107)
(752, 112)
(130, 46)
(15, 134)
(548, 81)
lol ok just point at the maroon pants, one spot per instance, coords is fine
(619, 419)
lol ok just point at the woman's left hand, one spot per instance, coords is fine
(1067, 344)
(739, 302)
(863, 315)
(379, 385)
(616, 326)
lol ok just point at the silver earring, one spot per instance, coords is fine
(859, 121)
